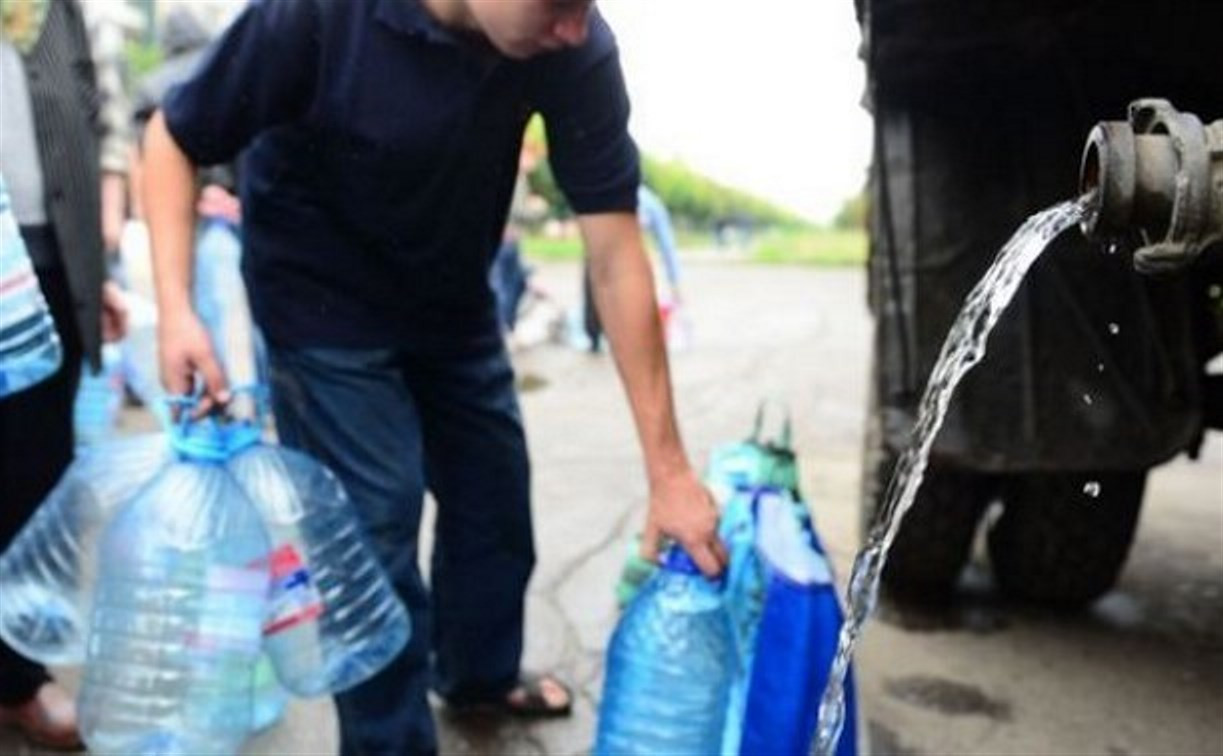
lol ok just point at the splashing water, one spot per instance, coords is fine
(964, 348)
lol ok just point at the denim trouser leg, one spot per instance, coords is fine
(476, 466)
(379, 419)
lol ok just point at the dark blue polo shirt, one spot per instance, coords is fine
(381, 154)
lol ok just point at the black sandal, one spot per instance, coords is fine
(532, 702)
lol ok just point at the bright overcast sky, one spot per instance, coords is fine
(762, 95)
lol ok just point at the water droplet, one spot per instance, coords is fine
(1092, 488)
(1099, 367)
(1114, 329)
(1087, 399)
(1112, 247)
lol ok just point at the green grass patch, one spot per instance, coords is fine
(546, 249)
(831, 247)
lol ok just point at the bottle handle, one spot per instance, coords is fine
(783, 438)
(219, 435)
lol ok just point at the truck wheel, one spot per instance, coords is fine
(1063, 538)
(936, 535)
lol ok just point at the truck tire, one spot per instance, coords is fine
(936, 536)
(1057, 543)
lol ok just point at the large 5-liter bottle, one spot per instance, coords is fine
(669, 667)
(30, 349)
(269, 699)
(333, 618)
(176, 627)
(47, 574)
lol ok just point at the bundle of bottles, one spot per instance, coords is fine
(735, 665)
(192, 572)
(30, 348)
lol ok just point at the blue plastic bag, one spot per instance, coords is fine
(796, 638)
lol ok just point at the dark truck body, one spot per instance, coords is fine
(981, 112)
(984, 108)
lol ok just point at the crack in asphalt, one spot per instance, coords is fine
(573, 566)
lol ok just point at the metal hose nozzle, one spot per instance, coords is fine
(1161, 173)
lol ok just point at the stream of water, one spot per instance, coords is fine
(964, 348)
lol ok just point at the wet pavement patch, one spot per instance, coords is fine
(947, 697)
(885, 740)
(967, 616)
(531, 382)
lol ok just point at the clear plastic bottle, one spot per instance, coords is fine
(30, 349)
(176, 625)
(221, 300)
(47, 574)
(269, 697)
(669, 668)
(95, 413)
(333, 618)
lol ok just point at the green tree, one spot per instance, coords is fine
(694, 200)
(853, 212)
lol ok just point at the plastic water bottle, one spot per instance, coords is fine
(47, 573)
(176, 626)
(269, 697)
(139, 349)
(669, 667)
(98, 399)
(221, 301)
(333, 618)
(30, 349)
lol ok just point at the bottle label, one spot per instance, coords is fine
(230, 610)
(293, 598)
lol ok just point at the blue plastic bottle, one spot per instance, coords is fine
(669, 667)
(176, 626)
(30, 349)
(99, 398)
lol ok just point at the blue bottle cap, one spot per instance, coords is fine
(209, 440)
(216, 437)
(676, 559)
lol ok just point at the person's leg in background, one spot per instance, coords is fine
(590, 313)
(508, 278)
(352, 410)
(36, 445)
(476, 465)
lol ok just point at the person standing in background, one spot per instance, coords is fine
(509, 276)
(51, 159)
(106, 41)
(654, 217)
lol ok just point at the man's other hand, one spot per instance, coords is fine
(114, 312)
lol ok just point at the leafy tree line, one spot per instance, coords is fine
(694, 200)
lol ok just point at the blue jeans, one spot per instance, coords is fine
(392, 424)
(508, 279)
